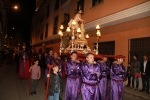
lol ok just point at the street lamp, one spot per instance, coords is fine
(15, 7)
(98, 33)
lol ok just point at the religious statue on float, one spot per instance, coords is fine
(78, 41)
(78, 24)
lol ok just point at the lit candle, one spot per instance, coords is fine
(78, 30)
(60, 33)
(68, 29)
(87, 36)
(79, 36)
(73, 22)
(97, 27)
(61, 27)
(98, 33)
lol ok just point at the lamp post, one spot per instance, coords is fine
(98, 36)
(15, 7)
(60, 33)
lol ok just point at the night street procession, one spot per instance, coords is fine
(74, 49)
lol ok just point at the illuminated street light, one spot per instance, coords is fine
(13, 28)
(15, 7)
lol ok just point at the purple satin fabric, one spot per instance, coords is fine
(117, 74)
(73, 80)
(48, 60)
(103, 85)
(89, 88)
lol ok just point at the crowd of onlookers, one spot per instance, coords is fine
(136, 70)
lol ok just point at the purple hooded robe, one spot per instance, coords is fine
(73, 80)
(117, 74)
(90, 74)
(103, 85)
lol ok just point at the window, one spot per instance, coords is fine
(106, 48)
(66, 17)
(55, 29)
(57, 4)
(139, 46)
(41, 36)
(66, 21)
(96, 2)
(80, 4)
(47, 13)
(42, 19)
(46, 31)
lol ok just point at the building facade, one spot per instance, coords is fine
(3, 21)
(125, 25)
(48, 17)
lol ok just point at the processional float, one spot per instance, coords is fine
(78, 42)
(78, 39)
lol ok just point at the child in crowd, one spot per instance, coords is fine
(35, 75)
(55, 86)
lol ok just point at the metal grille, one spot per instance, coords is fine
(139, 46)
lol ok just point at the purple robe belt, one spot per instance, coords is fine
(92, 85)
(117, 80)
(73, 77)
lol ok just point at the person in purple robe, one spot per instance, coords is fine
(48, 61)
(23, 65)
(90, 73)
(73, 78)
(56, 59)
(117, 74)
(103, 85)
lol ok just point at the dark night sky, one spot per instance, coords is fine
(21, 19)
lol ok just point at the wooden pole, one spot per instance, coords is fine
(48, 82)
(30, 83)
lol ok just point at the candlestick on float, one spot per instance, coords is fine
(98, 36)
(60, 33)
